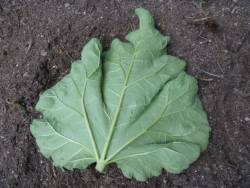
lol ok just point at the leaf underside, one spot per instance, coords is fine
(132, 105)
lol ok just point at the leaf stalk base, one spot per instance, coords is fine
(100, 165)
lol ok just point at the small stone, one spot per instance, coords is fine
(43, 53)
(26, 74)
(247, 119)
(66, 5)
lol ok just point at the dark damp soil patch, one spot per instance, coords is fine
(39, 40)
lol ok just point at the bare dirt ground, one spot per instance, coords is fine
(40, 38)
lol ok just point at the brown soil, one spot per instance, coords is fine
(40, 38)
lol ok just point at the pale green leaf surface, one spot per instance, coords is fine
(132, 105)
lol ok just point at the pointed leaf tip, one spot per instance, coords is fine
(91, 55)
(94, 43)
(145, 17)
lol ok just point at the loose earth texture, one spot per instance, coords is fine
(39, 39)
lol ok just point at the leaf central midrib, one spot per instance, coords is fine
(117, 112)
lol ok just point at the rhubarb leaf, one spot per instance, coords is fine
(132, 105)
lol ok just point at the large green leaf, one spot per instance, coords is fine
(132, 105)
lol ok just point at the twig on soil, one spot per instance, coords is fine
(241, 93)
(212, 74)
(202, 19)
(220, 67)
(28, 47)
(206, 79)
(53, 171)
(206, 40)
(67, 53)
(194, 5)
(244, 38)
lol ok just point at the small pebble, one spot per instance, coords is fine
(66, 5)
(43, 53)
(25, 74)
(247, 119)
